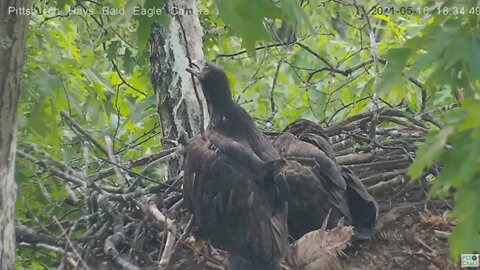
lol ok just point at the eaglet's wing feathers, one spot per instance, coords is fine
(314, 193)
(363, 207)
(302, 151)
(270, 169)
(317, 187)
(233, 205)
(319, 142)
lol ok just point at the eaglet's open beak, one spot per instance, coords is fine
(196, 68)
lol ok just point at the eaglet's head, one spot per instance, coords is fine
(302, 126)
(213, 79)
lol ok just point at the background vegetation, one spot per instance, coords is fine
(320, 60)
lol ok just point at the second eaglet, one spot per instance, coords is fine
(320, 187)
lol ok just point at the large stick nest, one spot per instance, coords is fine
(143, 226)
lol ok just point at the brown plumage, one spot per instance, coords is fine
(319, 185)
(233, 183)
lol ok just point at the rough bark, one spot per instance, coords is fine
(13, 27)
(180, 103)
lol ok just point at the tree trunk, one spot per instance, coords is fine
(180, 102)
(13, 25)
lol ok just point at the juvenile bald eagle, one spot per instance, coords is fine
(319, 185)
(233, 184)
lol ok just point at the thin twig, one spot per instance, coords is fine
(87, 136)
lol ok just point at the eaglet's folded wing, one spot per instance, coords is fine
(362, 205)
(309, 155)
(235, 205)
(316, 185)
(320, 142)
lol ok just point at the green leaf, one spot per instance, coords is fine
(112, 49)
(459, 161)
(246, 18)
(37, 118)
(61, 4)
(249, 27)
(396, 62)
(145, 21)
(434, 46)
(129, 8)
(471, 107)
(294, 13)
(465, 237)
(427, 153)
(128, 61)
(473, 60)
(455, 50)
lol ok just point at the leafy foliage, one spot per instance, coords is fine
(444, 54)
(247, 18)
(94, 66)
